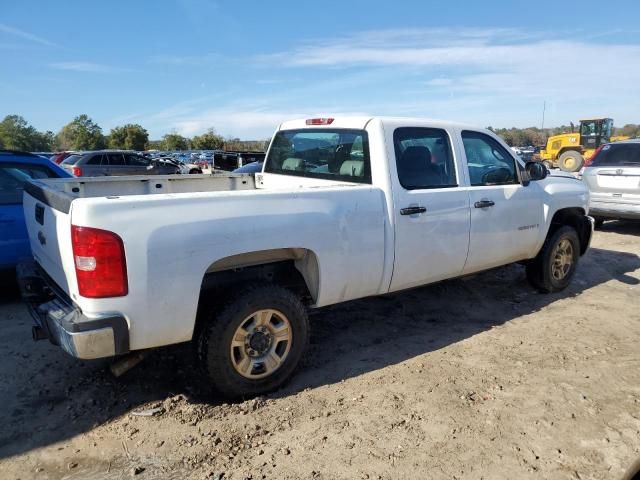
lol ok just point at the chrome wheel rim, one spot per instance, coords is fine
(562, 259)
(261, 344)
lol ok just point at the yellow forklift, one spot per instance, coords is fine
(569, 150)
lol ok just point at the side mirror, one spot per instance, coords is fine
(536, 170)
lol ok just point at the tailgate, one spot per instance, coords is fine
(50, 238)
(615, 180)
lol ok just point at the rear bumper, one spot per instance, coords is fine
(609, 209)
(64, 324)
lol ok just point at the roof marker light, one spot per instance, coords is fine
(319, 121)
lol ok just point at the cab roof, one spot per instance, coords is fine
(360, 122)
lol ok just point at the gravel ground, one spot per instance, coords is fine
(472, 378)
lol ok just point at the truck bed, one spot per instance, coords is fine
(59, 193)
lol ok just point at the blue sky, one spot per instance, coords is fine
(241, 67)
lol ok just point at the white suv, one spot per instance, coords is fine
(613, 178)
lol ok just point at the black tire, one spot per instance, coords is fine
(194, 171)
(539, 270)
(214, 340)
(599, 221)
(570, 161)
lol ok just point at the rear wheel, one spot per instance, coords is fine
(555, 264)
(571, 161)
(255, 342)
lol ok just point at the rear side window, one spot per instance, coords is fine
(115, 159)
(332, 154)
(618, 155)
(424, 158)
(13, 178)
(138, 161)
(95, 160)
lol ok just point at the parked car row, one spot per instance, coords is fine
(115, 162)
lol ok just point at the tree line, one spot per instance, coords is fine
(82, 133)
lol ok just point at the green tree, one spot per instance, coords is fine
(128, 137)
(17, 134)
(173, 141)
(207, 141)
(630, 129)
(81, 134)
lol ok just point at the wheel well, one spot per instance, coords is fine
(293, 268)
(574, 217)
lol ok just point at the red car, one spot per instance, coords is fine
(60, 156)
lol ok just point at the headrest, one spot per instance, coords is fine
(415, 156)
(292, 163)
(353, 168)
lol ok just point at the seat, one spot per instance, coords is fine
(292, 163)
(352, 168)
(415, 169)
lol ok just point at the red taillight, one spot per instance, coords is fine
(589, 161)
(100, 263)
(319, 121)
(76, 171)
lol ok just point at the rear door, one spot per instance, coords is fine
(432, 207)
(93, 165)
(117, 164)
(506, 216)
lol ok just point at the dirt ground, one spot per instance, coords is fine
(468, 379)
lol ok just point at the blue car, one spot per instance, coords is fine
(15, 169)
(253, 167)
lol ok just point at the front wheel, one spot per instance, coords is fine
(254, 343)
(571, 161)
(555, 264)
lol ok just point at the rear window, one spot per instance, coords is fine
(618, 155)
(71, 160)
(332, 154)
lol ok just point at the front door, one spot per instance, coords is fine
(432, 210)
(506, 216)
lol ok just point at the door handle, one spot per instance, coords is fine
(484, 204)
(412, 210)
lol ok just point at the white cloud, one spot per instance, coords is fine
(16, 32)
(503, 67)
(85, 67)
(498, 77)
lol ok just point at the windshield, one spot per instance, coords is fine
(332, 154)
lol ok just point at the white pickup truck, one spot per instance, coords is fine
(344, 208)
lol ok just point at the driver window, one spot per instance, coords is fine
(489, 163)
